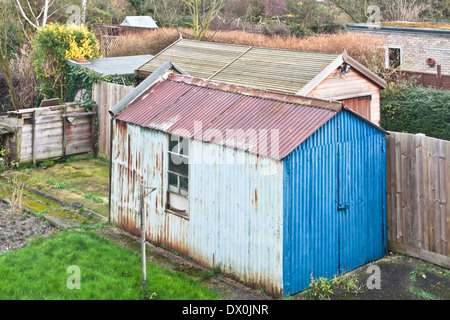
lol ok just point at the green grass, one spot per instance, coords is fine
(423, 294)
(108, 271)
(93, 197)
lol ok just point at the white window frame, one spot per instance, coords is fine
(387, 55)
(178, 195)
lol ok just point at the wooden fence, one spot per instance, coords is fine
(106, 95)
(418, 188)
(437, 80)
(47, 133)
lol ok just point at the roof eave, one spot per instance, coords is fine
(160, 74)
(362, 69)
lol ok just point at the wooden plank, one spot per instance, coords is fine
(427, 255)
(64, 134)
(412, 193)
(388, 187)
(399, 171)
(93, 129)
(441, 205)
(419, 190)
(78, 115)
(77, 148)
(33, 125)
(447, 196)
(432, 193)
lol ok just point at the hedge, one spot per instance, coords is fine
(408, 108)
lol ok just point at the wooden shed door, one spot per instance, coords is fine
(360, 105)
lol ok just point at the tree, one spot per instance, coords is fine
(5, 17)
(404, 10)
(202, 13)
(37, 12)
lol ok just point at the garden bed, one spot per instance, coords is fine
(17, 231)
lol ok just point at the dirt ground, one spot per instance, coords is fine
(16, 231)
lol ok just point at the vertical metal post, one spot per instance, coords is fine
(144, 262)
(142, 213)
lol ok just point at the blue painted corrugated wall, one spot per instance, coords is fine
(334, 201)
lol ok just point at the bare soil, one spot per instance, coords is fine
(16, 231)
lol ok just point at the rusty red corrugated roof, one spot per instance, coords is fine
(264, 122)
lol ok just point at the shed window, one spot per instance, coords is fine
(178, 175)
(394, 56)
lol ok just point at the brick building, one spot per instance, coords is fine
(421, 51)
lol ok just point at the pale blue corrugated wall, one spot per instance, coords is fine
(236, 210)
(237, 213)
(342, 163)
(138, 156)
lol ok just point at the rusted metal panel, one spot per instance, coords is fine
(235, 204)
(258, 121)
(237, 210)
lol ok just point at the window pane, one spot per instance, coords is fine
(178, 164)
(184, 146)
(173, 180)
(173, 143)
(394, 57)
(184, 184)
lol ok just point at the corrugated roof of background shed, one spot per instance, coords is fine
(271, 69)
(199, 59)
(175, 105)
(122, 66)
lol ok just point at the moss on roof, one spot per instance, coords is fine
(423, 25)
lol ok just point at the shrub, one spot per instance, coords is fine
(406, 107)
(54, 44)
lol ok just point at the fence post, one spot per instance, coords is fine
(439, 76)
(33, 138)
(64, 137)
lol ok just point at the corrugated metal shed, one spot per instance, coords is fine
(316, 210)
(178, 104)
(139, 22)
(244, 65)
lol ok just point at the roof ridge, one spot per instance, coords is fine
(259, 93)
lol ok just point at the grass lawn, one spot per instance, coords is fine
(108, 271)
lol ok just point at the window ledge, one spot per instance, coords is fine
(177, 214)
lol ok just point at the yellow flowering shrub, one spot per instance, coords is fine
(53, 45)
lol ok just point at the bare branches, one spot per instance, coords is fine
(40, 19)
(202, 12)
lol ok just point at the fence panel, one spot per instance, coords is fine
(107, 95)
(418, 187)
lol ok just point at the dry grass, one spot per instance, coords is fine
(16, 196)
(428, 25)
(28, 84)
(150, 42)
(368, 50)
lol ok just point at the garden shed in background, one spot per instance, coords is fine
(319, 75)
(270, 187)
